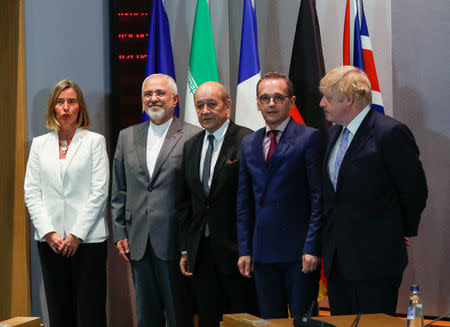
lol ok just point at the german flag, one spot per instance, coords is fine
(307, 68)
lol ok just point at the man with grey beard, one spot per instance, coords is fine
(144, 182)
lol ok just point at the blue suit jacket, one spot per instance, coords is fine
(279, 206)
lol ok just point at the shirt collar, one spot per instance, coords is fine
(356, 122)
(219, 134)
(280, 127)
(159, 129)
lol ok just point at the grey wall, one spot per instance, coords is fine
(64, 40)
(421, 81)
(69, 39)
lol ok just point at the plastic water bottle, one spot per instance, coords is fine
(414, 317)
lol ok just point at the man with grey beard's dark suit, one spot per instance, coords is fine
(144, 180)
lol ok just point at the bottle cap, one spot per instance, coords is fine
(414, 288)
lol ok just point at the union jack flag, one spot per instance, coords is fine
(357, 49)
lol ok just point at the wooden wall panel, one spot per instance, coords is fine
(14, 244)
(20, 297)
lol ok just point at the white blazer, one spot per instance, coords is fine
(68, 197)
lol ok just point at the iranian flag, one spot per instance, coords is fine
(202, 62)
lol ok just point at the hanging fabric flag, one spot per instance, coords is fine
(307, 67)
(247, 113)
(306, 71)
(357, 48)
(202, 62)
(159, 51)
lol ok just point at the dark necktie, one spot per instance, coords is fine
(340, 155)
(207, 164)
(273, 144)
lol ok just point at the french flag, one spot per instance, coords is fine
(247, 113)
(159, 51)
(357, 49)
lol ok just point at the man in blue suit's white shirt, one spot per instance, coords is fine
(279, 204)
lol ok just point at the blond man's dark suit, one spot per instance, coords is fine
(380, 194)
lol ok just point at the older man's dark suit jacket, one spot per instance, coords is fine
(380, 195)
(218, 209)
(218, 286)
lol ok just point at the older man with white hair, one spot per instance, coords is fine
(144, 182)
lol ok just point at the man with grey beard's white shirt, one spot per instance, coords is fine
(145, 179)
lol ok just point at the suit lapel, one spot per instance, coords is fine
(258, 148)
(278, 155)
(172, 137)
(194, 164)
(140, 144)
(77, 140)
(333, 135)
(361, 137)
(281, 148)
(227, 145)
(52, 150)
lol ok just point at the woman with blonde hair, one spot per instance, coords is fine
(66, 188)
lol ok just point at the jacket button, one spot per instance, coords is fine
(62, 196)
(150, 188)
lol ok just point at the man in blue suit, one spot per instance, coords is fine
(279, 204)
(374, 191)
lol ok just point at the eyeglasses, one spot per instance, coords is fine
(159, 94)
(277, 98)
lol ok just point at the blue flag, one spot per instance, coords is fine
(247, 113)
(159, 52)
(249, 58)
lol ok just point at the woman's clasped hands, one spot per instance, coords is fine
(66, 247)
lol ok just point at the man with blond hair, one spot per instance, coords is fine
(374, 191)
